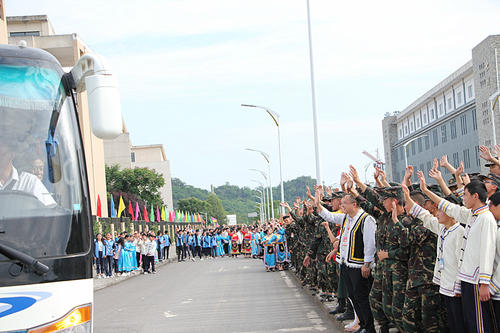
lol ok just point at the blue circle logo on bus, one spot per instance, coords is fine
(11, 303)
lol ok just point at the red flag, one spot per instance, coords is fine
(99, 214)
(130, 210)
(146, 215)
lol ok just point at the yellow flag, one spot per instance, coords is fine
(163, 213)
(121, 207)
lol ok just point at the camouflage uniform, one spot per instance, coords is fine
(422, 309)
(319, 248)
(299, 248)
(309, 232)
(368, 202)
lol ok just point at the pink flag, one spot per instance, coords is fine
(136, 211)
(157, 214)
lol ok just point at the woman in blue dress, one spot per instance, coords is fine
(269, 250)
(120, 253)
(255, 244)
(220, 248)
(281, 249)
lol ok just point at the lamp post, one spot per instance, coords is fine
(313, 95)
(406, 147)
(266, 157)
(263, 193)
(276, 118)
(270, 205)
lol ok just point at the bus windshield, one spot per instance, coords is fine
(42, 211)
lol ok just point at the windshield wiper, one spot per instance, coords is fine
(26, 259)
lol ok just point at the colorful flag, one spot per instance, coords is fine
(178, 216)
(192, 218)
(112, 207)
(152, 215)
(136, 211)
(158, 219)
(121, 207)
(130, 210)
(169, 216)
(98, 213)
(163, 217)
(146, 215)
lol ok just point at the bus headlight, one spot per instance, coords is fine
(77, 320)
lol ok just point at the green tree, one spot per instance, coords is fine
(193, 205)
(216, 209)
(143, 182)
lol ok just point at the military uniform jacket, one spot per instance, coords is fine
(449, 242)
(477, 252)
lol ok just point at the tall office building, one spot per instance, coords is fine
(453, 118)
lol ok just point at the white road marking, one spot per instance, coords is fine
(168, 314)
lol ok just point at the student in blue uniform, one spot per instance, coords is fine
(99, 254)
(166, 248)
(109, 249)
(179, 246)
(214, 245)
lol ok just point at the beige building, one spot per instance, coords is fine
(120, 152)
(3, 25)
(38, 32)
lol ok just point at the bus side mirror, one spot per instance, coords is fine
(104, 105)
(93, 74)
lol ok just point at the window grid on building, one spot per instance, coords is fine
(419, 143)
(463, 123)
(455, 160)
(474, 120)
(444, 137)
(453, 129)
(427, 143)
(466, 159)
(435, 137)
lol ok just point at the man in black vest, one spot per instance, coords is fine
(357, 252)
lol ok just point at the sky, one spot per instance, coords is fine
(185, 67)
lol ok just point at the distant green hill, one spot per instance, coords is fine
(242, 200)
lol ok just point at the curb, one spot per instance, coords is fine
(104, 283)
(326, 307)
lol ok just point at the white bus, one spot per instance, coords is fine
(46, 238)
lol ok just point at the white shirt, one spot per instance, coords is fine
(448, 249)
(29, 183)
(477, 252)
(369, 228)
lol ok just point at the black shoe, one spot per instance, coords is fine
(348, 315)
(337, 310)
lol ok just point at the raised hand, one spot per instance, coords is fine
(435, 174)
(394, 212)
(497, 150)
(486, 153)
(466, 178)
(444, 161)
(349, 185)
(421, 177)
(460, 169)
(435, 164)
(328, 190)
(354, 174)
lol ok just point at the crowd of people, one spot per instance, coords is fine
(125, 253)
(410, 256)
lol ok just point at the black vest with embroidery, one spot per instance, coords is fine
(356, 250)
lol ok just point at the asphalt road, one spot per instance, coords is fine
(214, 295)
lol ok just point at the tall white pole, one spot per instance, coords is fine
(281, 173)
(313, 94)
(271, 190)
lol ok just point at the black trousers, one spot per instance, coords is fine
(197, 251)
(149, 261)
(180, 253)
(478, 316)
(454, 313)
(358, 290)
(496, 307)
(226, 248)
(165, 252)
(108, 265)
(99, 263)
(185, 251)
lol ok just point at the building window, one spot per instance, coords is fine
(449, 104)
(427, 143)
(425, 118)
(132, 157)
(428, 166)
(466, 159)
(443, 134)
(419, 143)
(422, 167)
(463, 123)
(459, 97)
(440, 109)
(435, 137)
(474, 120)
(418, 122)
(453, 129)
(400, 133)
(406, 130)
(469, 91)
(478, 159)
(455, 160)
(411, 127)
(413, 148)
(24, 33)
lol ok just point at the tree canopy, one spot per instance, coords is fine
(143, 183)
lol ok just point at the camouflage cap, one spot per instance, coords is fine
(494, 179)
(395, 192)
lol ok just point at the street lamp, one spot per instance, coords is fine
(406, 147)
(263, 194)
(276, 118)
(313, 96)
(266, 157)
(268, 194)
(261, 207)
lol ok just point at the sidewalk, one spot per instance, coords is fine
(103, 283)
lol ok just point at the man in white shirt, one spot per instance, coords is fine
(11, 180)
(357, 252)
